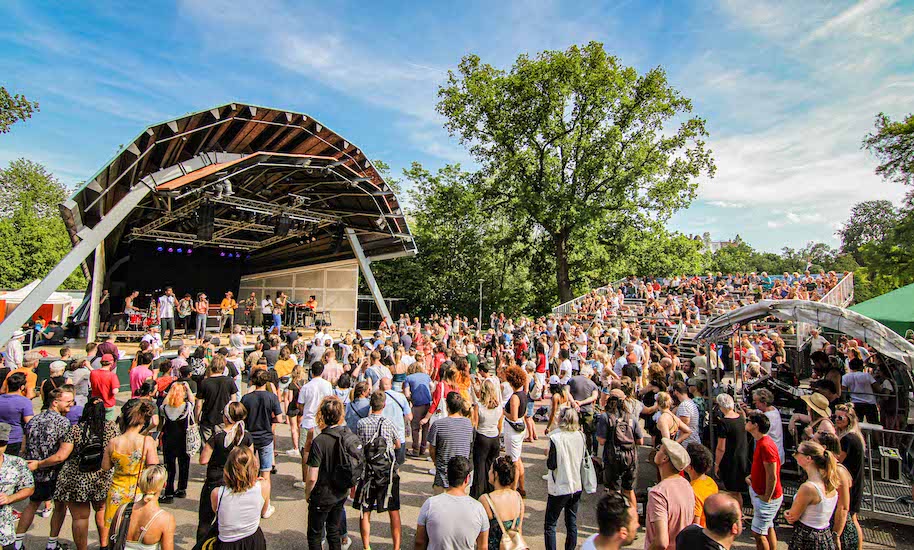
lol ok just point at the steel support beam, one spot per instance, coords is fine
(91, 239)
(98, 280)
(365, 266)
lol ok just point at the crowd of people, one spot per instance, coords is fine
(464, 398)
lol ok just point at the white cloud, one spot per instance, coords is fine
(848, 17)
(727, 204)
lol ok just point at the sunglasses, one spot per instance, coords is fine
(837, 417)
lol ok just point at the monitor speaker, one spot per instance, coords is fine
(283, 224)
(206, 219)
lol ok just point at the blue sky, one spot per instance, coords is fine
(788, 90)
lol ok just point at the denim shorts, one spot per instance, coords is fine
(764, 512)
(265, 455)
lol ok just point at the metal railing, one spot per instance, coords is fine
(841, 295)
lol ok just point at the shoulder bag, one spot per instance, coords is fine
(511, 539)
(192, 438)
(588, 472)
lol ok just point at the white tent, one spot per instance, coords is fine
(62, 304)
(882, 338)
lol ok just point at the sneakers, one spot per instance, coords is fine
(293, 453)
(270, 511)
(431, 471)
(180, 494)
(166, 499)
(44, 512)
(299, 485)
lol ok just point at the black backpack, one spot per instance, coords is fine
(351, 468)
(378, 462)
(619, 453)
(93, 449)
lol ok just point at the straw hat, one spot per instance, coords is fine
(818, 403)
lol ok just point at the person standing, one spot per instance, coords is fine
(82, 483)
(201, 309)
(29, 364)
(617, 524)
(417, 388)
(227, 313)
(77, 375)
(141, 372)
(185, 311)
(214, 456)
(14, 355)
(489, 418)
(16, 484)
(15, 411)
(862, 388)
(563, 460)
(620, 446)
(45, 435)
(700, 463)
(379, 490)
(325, 493)
(670, 503)
(266, 309)
(167, 307)
(398, 411)
(503, 505)
(816, 499)
(764, 402)
(514, 427)
(309, 400)
(764, 482)
(240, 503)
(452, 519)
(584, 393)
(177, 408)
(725, 522)
(852, 456)
(449, 437)
(149, 525)
(263, 411)
(213, 394)
(732, 453)
(279, 307)
(687, 411)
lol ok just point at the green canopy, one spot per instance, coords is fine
(894, 309)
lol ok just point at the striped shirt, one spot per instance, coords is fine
(450, 436)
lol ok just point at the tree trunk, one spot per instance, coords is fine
(560, 240)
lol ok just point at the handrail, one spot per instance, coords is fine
(841, 295)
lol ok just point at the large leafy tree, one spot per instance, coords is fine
(574, 140)
(32, 235)
(870, 221)
(893, 144)
(14, 108)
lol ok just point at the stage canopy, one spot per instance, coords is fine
(843, 320)
(256, 168)
(894, 309)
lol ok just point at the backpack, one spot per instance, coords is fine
(351, 467)
(378, 461)
(198, 366)
(93, 449)
(619, 453)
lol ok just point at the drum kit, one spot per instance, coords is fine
(142, 320)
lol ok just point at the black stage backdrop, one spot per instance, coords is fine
(150, 270)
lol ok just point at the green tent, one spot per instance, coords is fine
(894, 309)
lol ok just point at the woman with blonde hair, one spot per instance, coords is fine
(815, 500)
(489, 419)
(176, 412)
(399, 371)
(151, 528)
(846, 530)
(240, 503)
(852, 455)
(669, 426)
(297, 379)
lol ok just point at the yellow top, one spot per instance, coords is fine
(284, 367)
(703, 487)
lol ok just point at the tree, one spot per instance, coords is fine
(32, 235)
(14, 108)
(869, 221)
(893, 144)
(572, 139)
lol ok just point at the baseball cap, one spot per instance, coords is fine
(107, 358)
(554, 379)
(679, 457)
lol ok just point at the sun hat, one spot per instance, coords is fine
(818, 403)
(18, 334)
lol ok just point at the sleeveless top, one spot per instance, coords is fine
(818, 516)
(138, 543)
(522, 406)
(239, 513)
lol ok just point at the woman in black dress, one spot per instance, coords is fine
(176, 411)
(214, 455)
(733, 463)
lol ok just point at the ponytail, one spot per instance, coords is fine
(824, 461)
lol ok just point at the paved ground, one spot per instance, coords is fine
(286, 529)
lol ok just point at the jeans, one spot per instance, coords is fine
(485, 451)
(321, 517)
(416, 427)
(554, 507)
(176, 464)
(277, 322)
(201, 326)
(227, 322)
(167, 323)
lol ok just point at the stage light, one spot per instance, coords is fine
(159, 249)
(170, 250)
(222, 254)
(180, 250)
(190, 250)
(227, 186)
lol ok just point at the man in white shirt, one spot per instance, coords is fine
(14, 352)
(266, 308)
(309, 399)
(817, 342)
(167, 312)
(155, 340)
(565, 366)
(453, 519)
(409, 357)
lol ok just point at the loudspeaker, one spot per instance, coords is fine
(283, 224)
(206, 218)
(174, 343)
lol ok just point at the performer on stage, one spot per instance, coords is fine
(279, 307)
(104, 311)
(227, 309)
(250, 310)
(167, 313)
(266, 307)
(129, 307)
(311, 306)
(185, 312)
(201, 308)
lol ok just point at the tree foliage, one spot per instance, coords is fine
(893, 144)
(870, 221)
(573, 141)
(32, 235)
(14, 108)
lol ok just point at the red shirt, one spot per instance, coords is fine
(765, 451)
(104, 384)
(540, 362)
